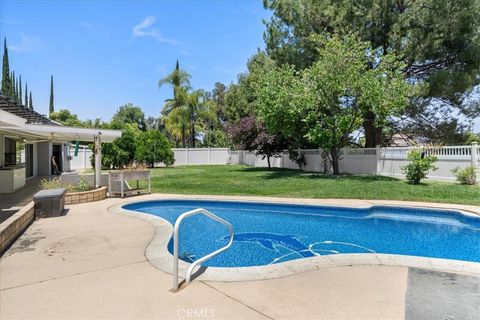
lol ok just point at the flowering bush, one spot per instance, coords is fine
(419, 165)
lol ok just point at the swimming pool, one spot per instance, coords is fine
(270, 233)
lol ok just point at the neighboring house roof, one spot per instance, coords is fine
(32, 126)
(402, 140)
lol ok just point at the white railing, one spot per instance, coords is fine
(203, 259)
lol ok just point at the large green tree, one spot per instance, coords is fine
(128, 114)
(329, 98)
(121, 152)
(437, 40)
(213, 117)
(240, 98)
(65, 117)
(153, 147)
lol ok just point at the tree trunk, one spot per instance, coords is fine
(268, 161)
(192, 124)
(183, 137)
(335, 161)
(373, 134)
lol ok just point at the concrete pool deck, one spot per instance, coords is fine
(91, 264)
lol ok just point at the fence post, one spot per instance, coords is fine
(377, 159)
(209, 151)
(474, 154)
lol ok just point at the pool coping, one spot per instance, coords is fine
(158, 255)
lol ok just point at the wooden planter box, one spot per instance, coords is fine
(118, 182)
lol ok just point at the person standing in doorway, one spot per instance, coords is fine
(55, 169)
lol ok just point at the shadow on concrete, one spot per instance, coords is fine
(10, 203)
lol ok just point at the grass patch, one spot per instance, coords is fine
(245, 180)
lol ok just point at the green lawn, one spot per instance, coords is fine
(244, 180)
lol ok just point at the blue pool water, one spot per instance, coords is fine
(273, 233)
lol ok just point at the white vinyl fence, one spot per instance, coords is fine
(82, 160)
(381, 161)
(192, 156)
(183, 156)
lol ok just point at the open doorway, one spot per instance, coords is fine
(29, 160)
(57, 153)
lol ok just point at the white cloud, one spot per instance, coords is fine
(96, 29)
(146, 29)
(27, 44)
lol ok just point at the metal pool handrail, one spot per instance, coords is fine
(176, 227)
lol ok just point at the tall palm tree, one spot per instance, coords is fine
(180, 81)
(177, 124)
(177, 79)
(194, 106)
(175, 116)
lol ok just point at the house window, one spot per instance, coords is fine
(14, 152)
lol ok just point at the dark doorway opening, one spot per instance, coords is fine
(57, 153)
(29, 160)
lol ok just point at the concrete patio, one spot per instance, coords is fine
(91, 264)
(12, 202)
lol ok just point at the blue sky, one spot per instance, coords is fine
(104, 54)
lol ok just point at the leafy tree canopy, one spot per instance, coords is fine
(326, 101)
(240, 98)
(65, 117)
(153, 147)
(437, 40)
(250, 134)
(128, 114)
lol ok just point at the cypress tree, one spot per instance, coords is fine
(26, 94)
(52, 109)
(6, 82)
(30, 103)
(20, 95)
(16, 91)
(12, 93)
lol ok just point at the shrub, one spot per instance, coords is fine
(467, 175)
(55, 183)
(81, 185)
(419, 165)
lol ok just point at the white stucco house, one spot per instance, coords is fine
(28, 140)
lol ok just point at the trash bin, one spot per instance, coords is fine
(49, 203)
